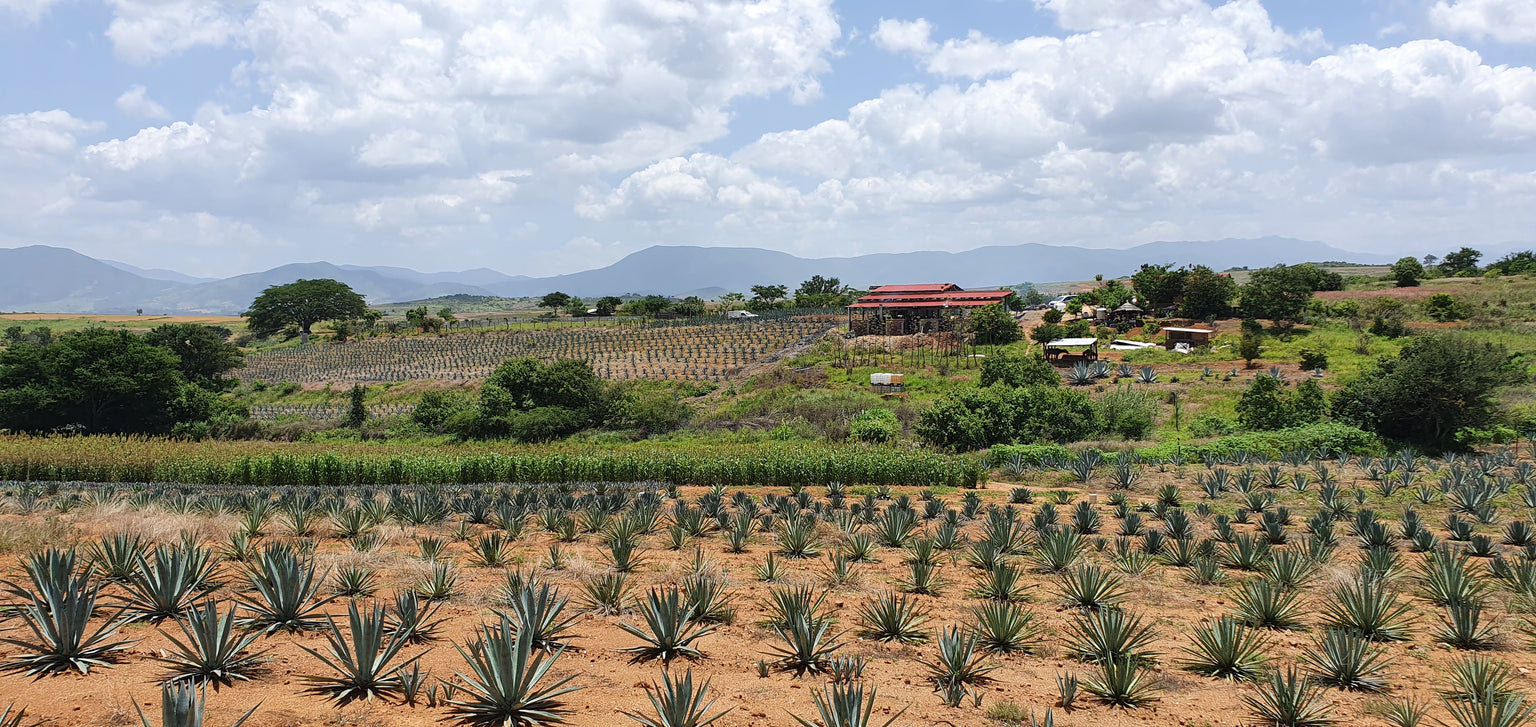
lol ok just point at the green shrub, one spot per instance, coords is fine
(1314, 358)
(1127, 412)
(1016, 371)
(1029, 454)
(1208, 425)
(976, 418)
(875, 425)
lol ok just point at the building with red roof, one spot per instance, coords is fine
(904, 309)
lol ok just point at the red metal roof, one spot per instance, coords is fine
(918, 288)
(929, 296)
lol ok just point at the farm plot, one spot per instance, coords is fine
(695, 351)
(323, 412)
(1248, 590)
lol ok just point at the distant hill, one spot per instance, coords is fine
(671, 270)
(51, 279)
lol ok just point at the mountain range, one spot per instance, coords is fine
(40, 278)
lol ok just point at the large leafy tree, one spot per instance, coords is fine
(303, 303)
(1159, 286)
(204, 352)
(1207, 293)
(97, 379)
(1013, 370)
(819, 292)
(1437, 385)
(1461, 262)
(533, 401)
(1280, 293)
(993, 325)
(976, 418)
(1407, 272)
(554, 301)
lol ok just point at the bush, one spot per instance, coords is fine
(1469, 437)
(438, 407)
(1207, 425)
(1444, 307)
(875, 425)
(546, 423)
(1313, 358)
(1128, 413)
(1437, 385)
(1267, 405)
(977, 418)
(653, 409)
(1016, 371)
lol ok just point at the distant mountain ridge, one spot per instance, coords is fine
(40, 278)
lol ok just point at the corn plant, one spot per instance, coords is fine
(361, 660)
(213, 651)
(502, 688)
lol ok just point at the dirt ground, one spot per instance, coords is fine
(1162, 595)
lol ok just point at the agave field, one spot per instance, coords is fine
(714, 350)
(1308, 589)
(324, 412)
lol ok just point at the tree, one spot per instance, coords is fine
(1407, 272)
(357, 407)
(100, 380)
(203, 352)
(1249, 347)
(1462, 262)
(1046, 332)
(650, 305)
(1033, 296)
(769, 293)
(1012, 370)
(731, 300)
(1207, 293)
(371, 319)
(1278, 293)
(1515, 263)
(607, 304)
(691, 307)
(576, 307)
(554, 301)
(993, 325)
(1160, 286)
(303, 303)
(448, 317)
(1437, 385)
(417, 317)
(819, 292)
(534, 401)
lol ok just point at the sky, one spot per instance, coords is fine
(546, 136)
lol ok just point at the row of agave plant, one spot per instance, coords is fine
(286, 593)
(1084, 373)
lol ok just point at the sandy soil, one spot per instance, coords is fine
(1162, 595)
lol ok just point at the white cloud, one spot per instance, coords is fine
(29, 11)
(1097, 14)
(136, 102)
(1507, 21)
(900, 36)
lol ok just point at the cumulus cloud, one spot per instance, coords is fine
(136, 102)
(1507, 21)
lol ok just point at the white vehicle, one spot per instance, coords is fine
(740, 314)
(1060, 302)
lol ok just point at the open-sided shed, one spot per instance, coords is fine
(902, 309)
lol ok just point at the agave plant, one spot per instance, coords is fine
(890, 617)
(1507, 711)
(12, 717)
(1348, 661)
(1370, 608)
(1289, 699)
(1265, 604)
(677, 703)
(1479, 679)
(808, 644)
(491, 551)
(181, 705)
(1004, 627)
(58, 608)
(1123, 682)
(1002, 582)
(538, 607)
(846, 705)
(166, 586)
(438, 584)
(503, 687)
(1091, 587)
(213, 652)
(960, 660)
(413, 618)
(670, 628)
(287, 593)
(355, 580)
(115, 557)
(361, 660)
(1463, 627)
(1226, 649)
(1108, 634)
(606, 593)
